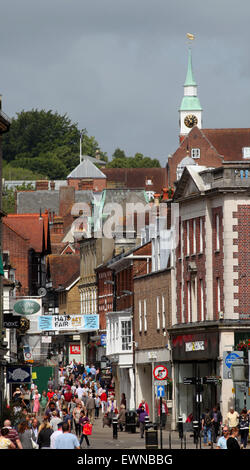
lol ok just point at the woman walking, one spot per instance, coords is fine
(25, 435)
(44, 433)
(76, 416)
(36, 405)
(86, 428)
(244, 428)
(43, 401)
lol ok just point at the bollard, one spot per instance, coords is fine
(115, 427)
(196, 432)
(169, 440)
(151, 435)
(180, 427)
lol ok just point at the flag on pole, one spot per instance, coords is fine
(190, 36)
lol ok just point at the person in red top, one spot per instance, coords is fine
(164, 412)
(50, 394)
(103, 399)
(68, 394)
(144, 403)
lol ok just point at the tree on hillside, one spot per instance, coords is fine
(44, 141)
(138, 161)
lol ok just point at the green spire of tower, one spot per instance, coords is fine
(190, 81)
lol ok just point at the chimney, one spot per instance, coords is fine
(42, 185)
(165, 196)
(66, 200)
(52, 185)
(57, 225)
(157, 199)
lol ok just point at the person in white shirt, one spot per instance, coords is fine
(232, 418)
(79, 392)
(55, 434)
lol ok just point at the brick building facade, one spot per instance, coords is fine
(210, 290)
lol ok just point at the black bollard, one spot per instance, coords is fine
(115, 427)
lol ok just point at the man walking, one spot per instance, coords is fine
(56, 433)
(90, 406)
(66, 440)
(13, 435)
(232, 418)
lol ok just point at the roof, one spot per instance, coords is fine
(190, 103)
(229, 142)
(63, 269)
(32, 227)
(136, 178)
(86, 169)
(190, 81)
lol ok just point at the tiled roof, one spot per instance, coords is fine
(136, 178)
(62, 268)
(32, 227)
(229, 142)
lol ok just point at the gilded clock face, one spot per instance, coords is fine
(190, 120)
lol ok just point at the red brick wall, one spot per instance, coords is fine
(148, 288)
(199, 259)
(243, 241)
(208, 155)
(105, 295)
(89, 184)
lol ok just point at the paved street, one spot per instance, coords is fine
(102, 438)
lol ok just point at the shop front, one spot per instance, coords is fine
(195, 372)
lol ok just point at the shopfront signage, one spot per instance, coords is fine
(27, 306)
(11, 321)
(68, 322)
(195, 346)
(75, 349)
(18, 374)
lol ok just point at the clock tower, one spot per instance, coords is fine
(190, 110)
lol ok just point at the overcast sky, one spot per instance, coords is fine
(117, 67)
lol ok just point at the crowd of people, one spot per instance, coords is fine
(235, 429)
(62, 416)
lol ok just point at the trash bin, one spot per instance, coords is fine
(130, 425)
(151, 436)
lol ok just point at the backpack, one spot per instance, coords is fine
(207, 419)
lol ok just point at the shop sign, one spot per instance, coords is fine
(18, 374)
(68, 322)
(75, 349)
(27, 306)
(195, 346)
(11, 321)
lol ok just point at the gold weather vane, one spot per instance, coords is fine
(190, 36)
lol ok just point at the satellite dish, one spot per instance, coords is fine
(42, 291)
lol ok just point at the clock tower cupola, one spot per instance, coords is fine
(190, 110)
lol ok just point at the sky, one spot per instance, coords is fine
(117, 67)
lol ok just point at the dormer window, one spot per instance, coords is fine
(149, 181)
(246, 152)
(195, 153)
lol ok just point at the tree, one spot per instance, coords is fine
(47, 143)
(8, 199)
(138, 161)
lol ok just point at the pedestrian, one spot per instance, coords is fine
(5, 442)
(43, 401)
(55, 420)
(76, 417)
(44, 433)
(50, 394)
(90, 407)
(145, 405)
(25, 435)
(142, 414)
(84, 420)
(222, 441)
(232, 418)
(66, 440)
(111, 407)
(206, 425)
(232, 441)
(66, 418)
(27, 397)
(216, 421)
(56, 433)
(97, 406)
(13, 434)
(36, 405)
(122, 417)
(34, 428)
(103, 398)
(162, 413)
(123, 400)
(51, 384)
(244, 428)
